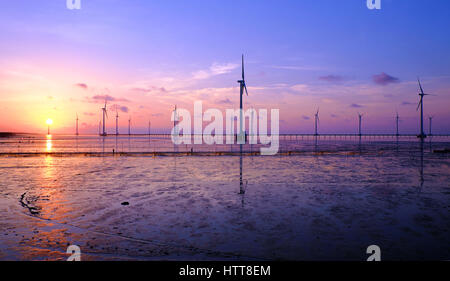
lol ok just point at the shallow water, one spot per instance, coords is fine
(314, 206)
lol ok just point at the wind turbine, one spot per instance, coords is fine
(117, 122)
(76, 130)
(397, 118)
(242, 87)
(105, 115)
(252, 123)
(421, 94)
(175, 117)
(431, 120)
(360, 119)
(149, 127)
(129, 125)
(316, 121)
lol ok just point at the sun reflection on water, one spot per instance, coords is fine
(49, 143)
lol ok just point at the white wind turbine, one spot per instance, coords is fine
(316, 122)
(129, 125)
(360, 121)
(421, 94)
(105, 115)
(76, 128)
(431, 121)
(242, 87)
(117, 122)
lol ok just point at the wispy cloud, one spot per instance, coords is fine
(355, 105)
(82, 86)
(224, 101)
(215, 69)
(332, 78)
(297, 67)
(384, 79)
(102, 98)
(121, 108)
(148, 90)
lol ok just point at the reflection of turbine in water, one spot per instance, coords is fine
(242, 186)
(422, 179)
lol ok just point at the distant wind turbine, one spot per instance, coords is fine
(397, 118)
(421, 94)
(175, 117)
(252, 123)
(105, 115)
(360, 119)
(76, 128)
(431, 120)
(242, 87)
(149, 127)
(117, 122)
(316, 122)
(129, 125)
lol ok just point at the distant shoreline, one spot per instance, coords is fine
(7, 134)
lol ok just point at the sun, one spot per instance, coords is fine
(49, 121)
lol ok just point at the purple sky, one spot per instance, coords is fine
(146, 56)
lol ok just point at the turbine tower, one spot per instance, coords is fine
(431, 120)
(316, 121)
(117, 122)
(76, 128)
(105, 115)
(129, 125)
(421, 94)
(252, 133)
(242, 87)
(149, 127)
(397, 118)
(175, 117)
(360, 119)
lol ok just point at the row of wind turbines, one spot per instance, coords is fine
(421, 135)
(102, 124)
(242, 89)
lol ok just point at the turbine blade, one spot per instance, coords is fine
(420, 85)
(245, 87)
(243, 79)
(420, 102)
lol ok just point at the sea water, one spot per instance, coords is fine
(331, 201)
